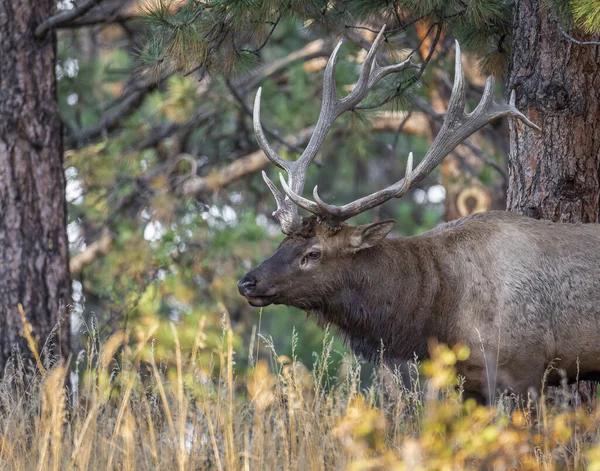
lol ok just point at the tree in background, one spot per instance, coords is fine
(34, 250)
(555, 174)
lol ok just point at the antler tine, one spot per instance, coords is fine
(517, 113)
(381, 72)
(487, 105)
(299, 200)
(341, 213)
(370, 75)
(457, 126)
(279, 197)
(331, 108)
(363, 84)
(456, 104)
(262, 139)
(327, 116)
(286, 213)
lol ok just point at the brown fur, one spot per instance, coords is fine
(520, 293)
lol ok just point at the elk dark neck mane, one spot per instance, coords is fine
(377, 303)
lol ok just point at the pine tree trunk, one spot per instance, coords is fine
(33, 240)
(554, 174)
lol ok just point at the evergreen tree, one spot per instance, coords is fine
(554, 174)
(34, 274)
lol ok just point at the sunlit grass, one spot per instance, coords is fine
(132, 411)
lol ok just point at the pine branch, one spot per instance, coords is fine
(586, 15)
(216, 180)
(281, 13)
(94, 250)
(132, 99)
(576, 41)
(390, 31)
(111, 11)
(65, 17)
(274, 134)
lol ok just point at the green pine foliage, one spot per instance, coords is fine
(227, 36)
(484, 29)
(216, 37)
(586, 14)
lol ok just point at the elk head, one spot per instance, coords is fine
(321, 249)
(308, 262)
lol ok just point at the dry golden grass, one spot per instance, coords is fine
(131, 412)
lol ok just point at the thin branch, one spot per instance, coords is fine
(92, 252)
(65, 17)
(217, 179)
(399, 131)
(110, 11)
(248, 111)
(129, 103)
(576, 41)
(486, 159)
(281, 13)
(436, 39)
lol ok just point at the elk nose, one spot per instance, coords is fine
(246, 285)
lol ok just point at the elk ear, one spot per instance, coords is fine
(369, 235)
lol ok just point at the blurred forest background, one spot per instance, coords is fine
(167, 208)
(166, 205)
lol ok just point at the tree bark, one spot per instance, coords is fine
(554, 174)
(34, 257)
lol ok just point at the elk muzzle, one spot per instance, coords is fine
(247, 287)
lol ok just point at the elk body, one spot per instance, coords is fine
(521, 293)
(527, 292)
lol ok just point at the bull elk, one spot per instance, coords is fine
(525, 291)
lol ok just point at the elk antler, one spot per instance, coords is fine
(331, 108)
(457, 126)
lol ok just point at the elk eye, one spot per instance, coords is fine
(314, 255)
